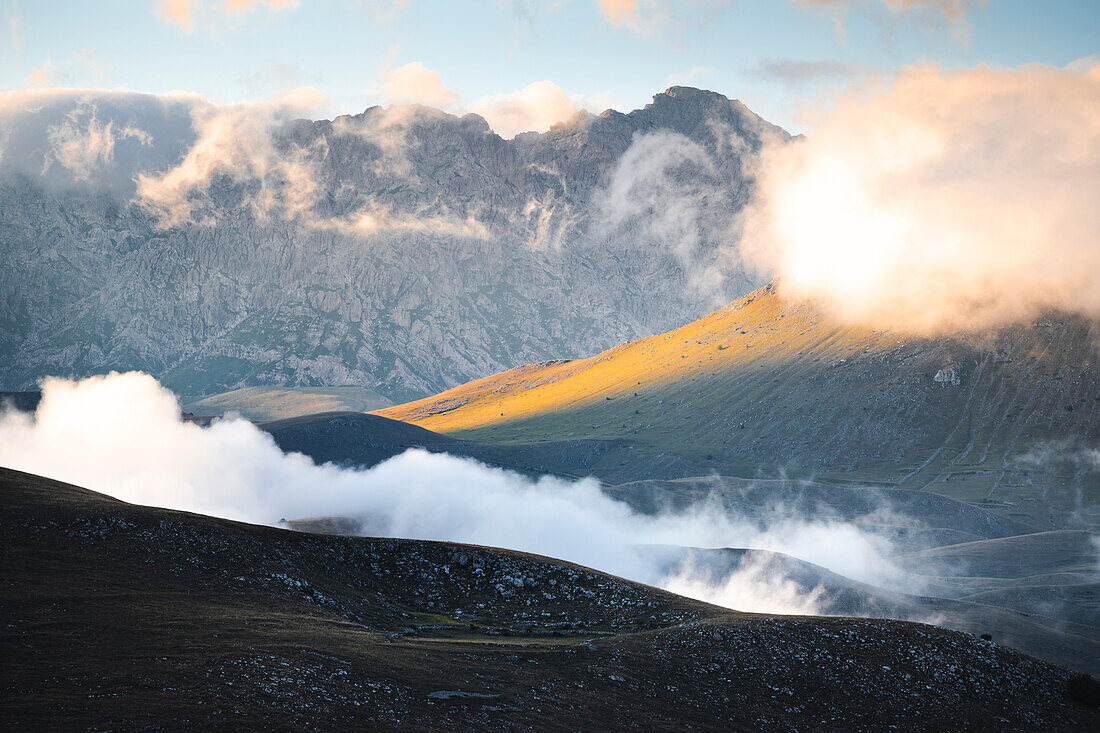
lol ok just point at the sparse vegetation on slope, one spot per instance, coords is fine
(122, 616)
(773, 386)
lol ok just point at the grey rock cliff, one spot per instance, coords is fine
(403, 249)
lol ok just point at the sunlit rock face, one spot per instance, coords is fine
(404, 249)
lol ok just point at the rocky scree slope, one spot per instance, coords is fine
(124, 616)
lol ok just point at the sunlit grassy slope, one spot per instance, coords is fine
(764, 385)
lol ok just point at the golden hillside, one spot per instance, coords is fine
(764, 384)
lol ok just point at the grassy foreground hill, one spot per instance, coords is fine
(769, 387)
(121, 616)
(1046, 604)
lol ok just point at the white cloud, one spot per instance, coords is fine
(953, 13)
(415, 83)
(235, 6)
(14, 23)
(940, 200)
(186, 13)
(640, 16)
(755, 585)
(180, 12)
(655, 17)
(535, 108)
(122, 435)
(67, 136)
(236, 141)
(45, 75)
(84, 145)
(83, 66)
(667, 194)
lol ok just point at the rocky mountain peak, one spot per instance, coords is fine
(403, 248)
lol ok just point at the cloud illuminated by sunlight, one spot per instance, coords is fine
(416, 83)
(534, 108)
(238, 5)
(180, 12)
(235, 141)
(184, 13)
(638, 15)
(85, 146)
(940, 201)
(43, 76)
(658, 17)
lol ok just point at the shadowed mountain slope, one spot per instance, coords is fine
(1064, 628)
(1064, 551)
(764, 386)
(279, 403)
(125, 616)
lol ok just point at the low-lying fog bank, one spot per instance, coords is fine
(123, 435)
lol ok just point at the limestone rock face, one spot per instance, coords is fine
(401, 249)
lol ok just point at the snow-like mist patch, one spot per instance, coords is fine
(753, 586)
(123, 435)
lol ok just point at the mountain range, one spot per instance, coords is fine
(324, 277)
(402, 250)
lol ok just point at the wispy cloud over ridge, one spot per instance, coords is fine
(64, 137)
(414, 82)
(85, 146)
(535, 108)
(235, 141)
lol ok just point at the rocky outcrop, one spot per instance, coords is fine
(402, 249)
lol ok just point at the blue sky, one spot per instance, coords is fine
(776, 55)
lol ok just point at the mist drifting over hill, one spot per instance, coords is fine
(125, 438)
